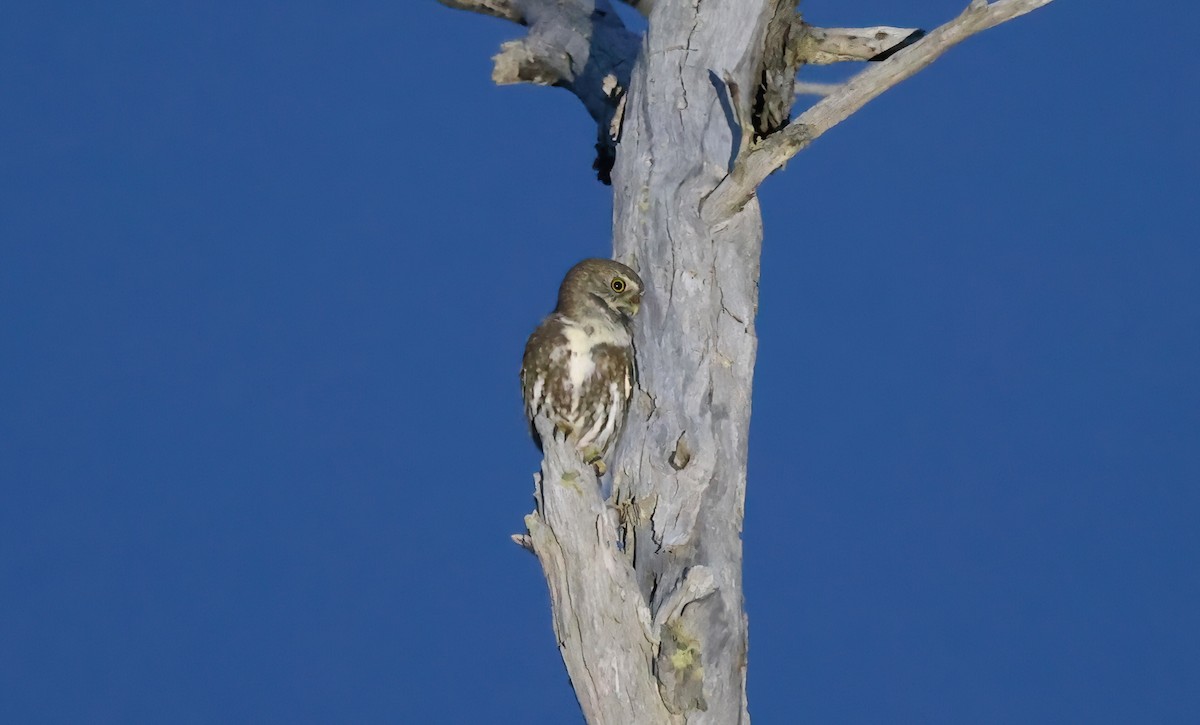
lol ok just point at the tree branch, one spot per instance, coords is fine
(503, 9)
(579, 45)
(809, 88)
(603, 626)
(531, 60)
(752, 167)
(789, 43)
(822, 46)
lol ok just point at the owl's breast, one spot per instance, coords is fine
(586, 343)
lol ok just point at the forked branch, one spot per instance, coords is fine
(789, 44)
(761, 159)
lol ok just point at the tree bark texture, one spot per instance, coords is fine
(646, 586)
(681, 474)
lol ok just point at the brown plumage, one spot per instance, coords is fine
(578, 368)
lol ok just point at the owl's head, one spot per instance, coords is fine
(602, 283)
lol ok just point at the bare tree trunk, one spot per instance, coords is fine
(682, 472)
(646, 588)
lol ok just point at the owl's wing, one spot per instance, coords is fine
(538, 369)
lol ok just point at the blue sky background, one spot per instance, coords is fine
(266, 270)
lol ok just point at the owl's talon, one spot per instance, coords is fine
(592, 457)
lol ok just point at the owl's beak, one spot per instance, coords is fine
(632, 303)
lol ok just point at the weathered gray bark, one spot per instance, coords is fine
(682, 471)
(604, 629)
(646, 588)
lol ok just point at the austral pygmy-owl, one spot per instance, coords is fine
(578, 369)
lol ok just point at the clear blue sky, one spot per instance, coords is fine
(266, 270)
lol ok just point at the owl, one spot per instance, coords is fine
(578, 368)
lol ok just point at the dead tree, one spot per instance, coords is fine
(646, 587)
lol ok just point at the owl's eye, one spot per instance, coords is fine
(618, 284)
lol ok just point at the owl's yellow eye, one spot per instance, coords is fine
(618, 284)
